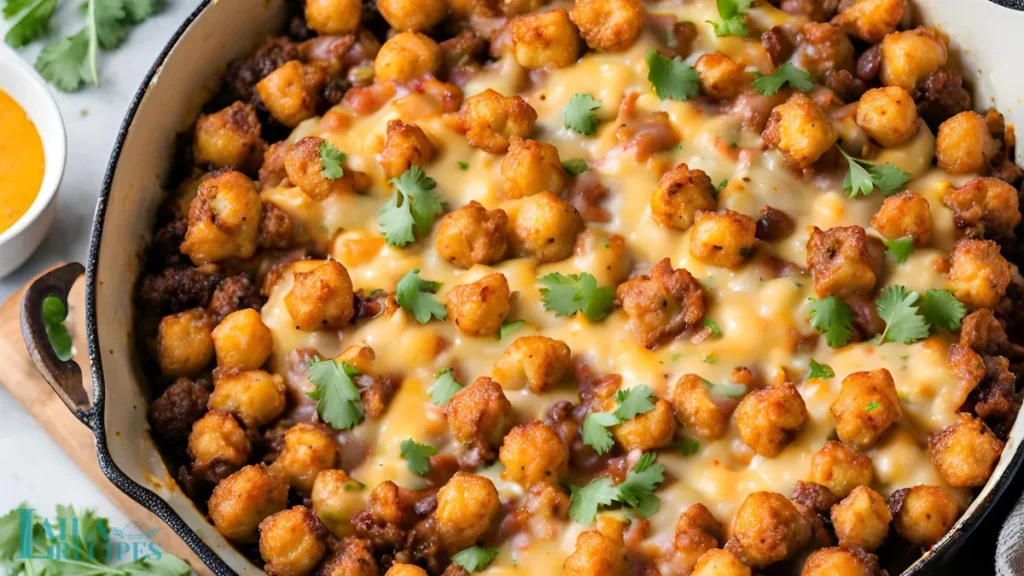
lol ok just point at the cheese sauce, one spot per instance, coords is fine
(22, 164)
(762, 318)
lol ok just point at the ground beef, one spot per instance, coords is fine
(815, 496)
(243, 74)
(275, 227)
(370, 305)
(234, 293)
(942, 96)
(777, 44)
(173, 413)
(994, 396)
(377, 392)
(848, 87)
(176, 289)
(166, 247)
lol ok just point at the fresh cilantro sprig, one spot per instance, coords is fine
(899, 249)
(733, 23)
(942, 309)
(820, 371)
(476, 558)
(567, 295)
(337, 398)
(331, 159)
(580, 114)
(54, 314)
(904, 323)
(70, 63)
(672, 79)
(83, 551)
(863, 177)
(631, 402)
(575, 167)
(787, 73)
(510, 327)
(833, 318)
(444, 387)
(636, 492)
(417, 456)
(688, 446)
(412, 209)
(417, 296)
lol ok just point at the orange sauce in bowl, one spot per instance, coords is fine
(21, 162)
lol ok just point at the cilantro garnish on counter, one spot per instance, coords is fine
(412, 209)
(417, 456)
(580, 114)
(331, 159)
(833, 318)
(864, 177)
(733, 23)
(787, 73)
(567, 295)
(672, 79)
(444, 388)
(417, 296)
(70, 63)
(476, 558)
(337, 398)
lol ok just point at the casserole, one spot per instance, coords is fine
(130, 190)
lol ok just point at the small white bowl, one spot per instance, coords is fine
(29, 90)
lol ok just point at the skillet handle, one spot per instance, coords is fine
(64, 376)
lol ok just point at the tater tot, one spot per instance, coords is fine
(720, 77)
(661, 304)
(905, 214)
(871, 20)
(986, 207)
(923, 514)
(841, 562)
(305, 168)
(223, 219)
(840, 262)
(292, 92)
(291, 542)
(479, 414)
(866, 406)
(769, 529)
(696, 410)
(473, 235)
(545, 39)
(979, 273)
(861, 520)
(255, 397)
(724, 238)
(770, 418)
(466, 505)
(242, 340)
(800, 131)
(308, 450)
(413, 15)
(840, 468)
(718, 562)
(888, 115)
(321, 298)
(404, 146)
(241, 501)
(229, 138)
(479, 308)
(218, 446)
(490, 120)
(964, 145)
(337, 498)
(533, 453)
(537, 362)
(609, 25)
(966, 453)
(596, 555)
(647, 431)
(911, 56)
(546, 228)
(184, 343)
(406, 56)
(334, 16)
(531, 167)
(680, 194)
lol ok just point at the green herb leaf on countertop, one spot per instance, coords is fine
(672, 78)
(417, 456)
(833, 318)
(476, 558)
(444, 387)
(412, 209)
(787, 73)
(337, 398)
(904, 323)
(331, 159)
(580, 114)
(417, 296)
(567, 295)
(941, 308)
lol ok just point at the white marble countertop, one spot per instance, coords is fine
(38, 472)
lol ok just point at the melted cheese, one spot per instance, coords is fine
(761, 320)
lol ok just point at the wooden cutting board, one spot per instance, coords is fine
(23, 381)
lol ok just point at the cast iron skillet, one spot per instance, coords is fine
(65, 377)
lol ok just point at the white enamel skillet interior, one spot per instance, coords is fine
(185, 74)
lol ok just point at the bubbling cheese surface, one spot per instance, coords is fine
(762, 319)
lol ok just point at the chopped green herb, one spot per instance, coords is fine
(672, 79)
(863, 177)
(898, 250)
(713, 326)
(509, 327)
(637, 490)
(337, 398)
(903, 322)
(833, 318)
(444, 387)
(820, 371)
(575, 167)
(463, 166)
(587, 500)
(733, 23)
(631, 403)
(476, 558)
(417, 456)
(942, 309)
(787, 73)
(688, 446)
(417, 296)
(331, 159)
(727, 390)
(567, 295)
(412, 209)
(710, 359)
(872, 406)
(580, 114)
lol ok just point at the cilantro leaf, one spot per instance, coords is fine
(65, 64)
(787, 73)
(463, 166)
(417, 296)
(833, 318)
(331, 159)
(672, 79)
(417, 456)
(633, 402)
(139, 10)
(580, 114)
(575, 167)
(872, 406)
(688, 446)
(727, 390)
(863, 177)
(33, 23)
(9, 534)
(567, 295)
(509, 327)
(596, 433)
(942, 309)
(412, 210)
(476, 558)
(585, 501)
(444, 388)
(337, 398)
(108, 16)
(820, 371)
(733, 23)
(637, 490)
(903, 323)
(713, 326)
(899, 249)
(54, 313)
